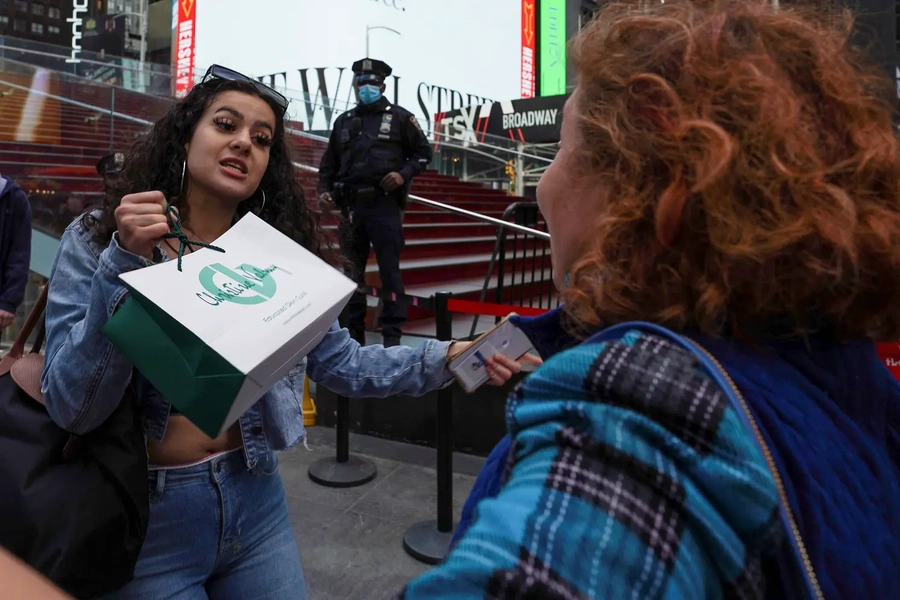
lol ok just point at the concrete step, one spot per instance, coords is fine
(450, 241)
(443, 269)
(472, 286)
(415, 231)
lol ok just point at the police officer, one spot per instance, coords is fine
(374, 152)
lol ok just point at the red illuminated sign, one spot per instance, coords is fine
(528, 49)
(183, 46)
(890, 354)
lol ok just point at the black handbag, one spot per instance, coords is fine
(74, 508)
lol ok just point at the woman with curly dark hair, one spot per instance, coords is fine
(712, 419)
(219, 525)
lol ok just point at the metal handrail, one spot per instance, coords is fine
(434, 204)
(321, 138)
(88, 61)
(457, 145)
(459, 211)
(499, 257)
(85, 105)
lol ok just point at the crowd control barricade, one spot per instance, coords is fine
(426, 541)
(346, 470)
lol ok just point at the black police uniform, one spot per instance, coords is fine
(367, 143)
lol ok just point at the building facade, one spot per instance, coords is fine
(876, 26)
(112, 28)
(43, 21)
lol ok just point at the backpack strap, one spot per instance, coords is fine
(798, 578)
(35, 318)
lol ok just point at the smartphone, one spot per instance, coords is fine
(469, 366)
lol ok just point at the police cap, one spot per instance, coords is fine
(371, 70)
(111, 164)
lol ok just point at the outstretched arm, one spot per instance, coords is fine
(346, 368)
(343, 366)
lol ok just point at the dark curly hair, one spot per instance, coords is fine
(751, 172)
(155, 163)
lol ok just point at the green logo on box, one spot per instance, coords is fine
(247, 284)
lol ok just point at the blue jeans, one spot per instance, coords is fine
(217, 532)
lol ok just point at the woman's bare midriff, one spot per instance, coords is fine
(185, 443)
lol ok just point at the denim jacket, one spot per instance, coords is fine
(85, 375)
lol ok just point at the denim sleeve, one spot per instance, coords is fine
(346, 368)
(84, 375)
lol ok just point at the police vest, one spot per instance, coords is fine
(371, 145)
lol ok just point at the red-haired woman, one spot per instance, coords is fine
(712, 420)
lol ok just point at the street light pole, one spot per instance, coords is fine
(143, 41)
(370, 28)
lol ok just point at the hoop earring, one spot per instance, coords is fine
(263, 192)
(183, 171)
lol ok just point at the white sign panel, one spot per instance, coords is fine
(446, 55)
(79, 7)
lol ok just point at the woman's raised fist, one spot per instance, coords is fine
(142, 221)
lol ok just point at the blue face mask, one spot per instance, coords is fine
(369, 94)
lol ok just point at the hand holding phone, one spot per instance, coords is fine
(472, 366)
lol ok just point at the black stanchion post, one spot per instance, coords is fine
(428, 541)
(342, 429)
(444, 431)
(345, 470)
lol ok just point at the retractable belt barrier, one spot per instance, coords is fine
(466, 307)
(427, 541)
(489, 309)
(403, 299)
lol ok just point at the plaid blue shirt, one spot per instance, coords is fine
(630, 477)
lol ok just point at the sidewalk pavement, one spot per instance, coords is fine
(351, 540)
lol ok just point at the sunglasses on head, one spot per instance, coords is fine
(226, 74)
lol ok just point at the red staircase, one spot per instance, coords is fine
(443, 251)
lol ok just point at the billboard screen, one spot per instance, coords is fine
(528, 49)
(184, 20)
(445, 55)
(552, 44)
(528, 120)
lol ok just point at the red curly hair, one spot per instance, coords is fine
(751, 171)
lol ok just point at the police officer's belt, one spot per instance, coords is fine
(347, 194)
